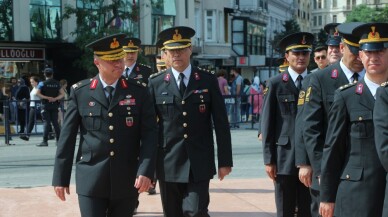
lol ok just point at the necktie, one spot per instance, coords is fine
(299, 83)
(109, 89)
(126, 72)
(355, 77)
(182, 86)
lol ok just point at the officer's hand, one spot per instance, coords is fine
(223, 171)
(326, 209)
(305, 173)
(142, 183)
(271, 171)
(60, 192)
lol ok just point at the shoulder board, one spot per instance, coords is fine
(346, 86)
(144, 65)
(136, 82)
(81, 83)
(205, 70)
(384, 84)
(158, 73)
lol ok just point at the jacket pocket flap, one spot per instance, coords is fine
(283, 140)
(164, 100)
(361, 115)
(286, 98)
(90, 112)
(352, 173)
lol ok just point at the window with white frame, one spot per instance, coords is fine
(210, 25)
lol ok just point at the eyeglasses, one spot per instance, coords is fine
(320, 57)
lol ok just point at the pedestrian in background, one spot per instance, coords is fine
(245, 104)
(256, 98)
(235, 90)
(117, 124)
(34, 101)
(22, 95)
(187, 99)
(50, 92)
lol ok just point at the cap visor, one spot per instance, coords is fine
(353, 49)
(373, 46)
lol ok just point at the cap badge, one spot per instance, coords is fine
(130, 43)
(336, 32)
(373, 34)
(303, 40)
(114, 44)
(177, 36)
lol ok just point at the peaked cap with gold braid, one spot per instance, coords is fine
(109, 47)
(297, 42)
(345, 30)
(178, 37)
(373, 36)
(131, 45)
(333, 37)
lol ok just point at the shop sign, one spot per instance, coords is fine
(20, 54)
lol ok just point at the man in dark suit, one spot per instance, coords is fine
(188, 104)
(133, 69)
(319, 97)
(278, 125)
(352, 177)
(117, 150)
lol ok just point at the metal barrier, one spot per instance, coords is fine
(11, 118)
(239, 110)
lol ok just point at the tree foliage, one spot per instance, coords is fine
(363, 13)
(95, 20)
(289, 27)
(6, 31)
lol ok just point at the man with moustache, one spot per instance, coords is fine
(319, 97)
(118, 136)
(132, 69)
(333, 50)
(188, 99)
(278, 125)
(352, 178)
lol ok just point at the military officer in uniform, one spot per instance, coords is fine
(133, 69)
(117, 150)
(319, 97)
(352, 177)
(188, 104)
(278, 125)
(333, 42)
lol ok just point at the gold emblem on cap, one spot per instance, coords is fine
(177, 36)
(114, 44)
(130, 43)
(303, 40)
(336, 32)
(373, 34)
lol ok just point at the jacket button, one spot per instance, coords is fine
(128, 108)
(360, 118)
(90, 114)
(183, 102)
(347, 177)
(184, 113)
(184, 124)
(111, 140)
(111, 127)
(110, 114)
(185, 136)
(286, 100)
(201, 97)
(81, 158)
(112, 153)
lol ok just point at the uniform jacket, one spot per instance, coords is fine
(278, 123)
(352, 174)
(186, 142)
(141, 72)
(315, 114)
(109, 155)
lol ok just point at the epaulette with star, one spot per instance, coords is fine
(158, 73)
(81, 83)
(136, 82)
(144, 65)
(206, 70)
(346, 86)
(384, 84)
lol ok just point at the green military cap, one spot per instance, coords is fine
(334, 39)
(131, 45)
(297, 42)
(345, 30)
(373, 36)
(176, 37)
(109, 47)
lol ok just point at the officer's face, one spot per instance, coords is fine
(375, 62)
(298, 60)
(130, 58)
(110, 70)
(353, 62)
(333, 53)
(179, 58)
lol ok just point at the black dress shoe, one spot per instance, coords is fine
(24, 137)
(42, 144)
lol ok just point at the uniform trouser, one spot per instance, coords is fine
(103, 207)
(50, 116)
(315, 200)
(290, 194)
(185, 199)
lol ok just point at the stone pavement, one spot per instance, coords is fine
(228, 198)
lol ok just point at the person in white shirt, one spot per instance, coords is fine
(34, 100)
